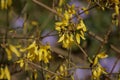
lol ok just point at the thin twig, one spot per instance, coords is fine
(114, 65)
(29, 37)
(89, 59)
(83, 50)
(6, 29)
(83, 12)
(46, 7)
(53, 11)
(49, 34)
(69, 69)
(69, 57)
(105, 40)
(102, 40)
(115, 48)
(38, 66)
(95, 36)
(88, 9)
(18, 38)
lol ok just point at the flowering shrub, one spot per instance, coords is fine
(41, 61)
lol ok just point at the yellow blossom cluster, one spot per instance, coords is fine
(37, 53)
(10, 49)
(69, 31)
(42, 52)
(5, 4)
(110, 4)
(5, 73)
(106, 3)
(61, 73)
(97, 69)
(115, 15)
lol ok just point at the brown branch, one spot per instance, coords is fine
(53, 11)
(114, 65)
(88, 9)
(69, 69)
(64, 53)
(18, 38)
(84, 52)
(102, 40)
(95, 36)
(83, 12)
(48, 34)
(40, 67)
(6, 29)
(114, 48)
(46, 7)
(105, 39)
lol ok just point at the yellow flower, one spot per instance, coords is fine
(38, 52)
(61, 38)
(44, 53)
(5, 73)
(97, 71)
(9, 2)
(116, 1)
(9, 53)
(66, 39)
(34, 23)
(117, 9)
(21, 62)
(71, 9)
(99, 56)
(61, 2)
(5, 4)
(63, 71)
(59, 25)
(81, 26)
(68, 30)
(12, 49)
(102, 55)
(78, 38)
(82, 35)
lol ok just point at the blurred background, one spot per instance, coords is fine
(18, 24)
